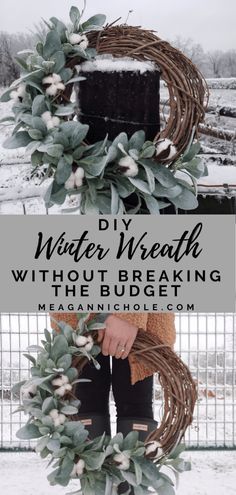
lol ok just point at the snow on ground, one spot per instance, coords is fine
(108, 63)
(212, 472)
(15, 170)
(222, 83)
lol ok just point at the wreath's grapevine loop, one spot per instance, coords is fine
(106, 173)
(48, 398)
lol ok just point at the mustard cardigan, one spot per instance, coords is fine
(160, 324)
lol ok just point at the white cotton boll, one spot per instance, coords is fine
(89, 344)
(21, 90)
(61, 391)
(57, 422)
(79, 175)
(62, 418)
(84, 43)
(28, 391)
(51, 90)
(173, 152)
(166, 148)
(50, 121)
(56, 78)
(129, 165)
(48, 80)
(74, 472)
(46, 116)
(153, 447)
(50, 125)
(81, 341)
(55, 121)
(65, 379)
(14, 95)
(54, 413)
(162, 145)
(160, 452)
(80, 467)
(70, 183)
(74, 38)
(68, 387)
(18, 93)
(122, 460)
(60, 86)
(58, 419)
(57, 382)
(78, 182)
(88, 347)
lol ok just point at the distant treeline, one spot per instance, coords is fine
(215, 63)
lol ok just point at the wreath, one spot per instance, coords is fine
(101, 464)
(105, 173)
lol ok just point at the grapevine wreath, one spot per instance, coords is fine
(48, 397)
(105, 173)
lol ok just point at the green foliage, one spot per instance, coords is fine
(94, 23)
(18, 140)
(66, 442)
(52, 44)
(28, 431)
(46, 126)
(74, 16)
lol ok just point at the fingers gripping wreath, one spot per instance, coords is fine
(159, 172)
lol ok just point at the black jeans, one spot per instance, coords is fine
(131, 400)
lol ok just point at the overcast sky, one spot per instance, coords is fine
(209, 22)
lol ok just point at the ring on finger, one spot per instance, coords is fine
(121, 348)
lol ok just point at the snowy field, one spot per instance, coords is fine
(212, 473)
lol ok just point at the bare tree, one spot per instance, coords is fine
(216, 63)
(229, 63)
(9, 70)
(192, 50)
(10, 45)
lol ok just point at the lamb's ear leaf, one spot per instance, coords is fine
(186, 200)
(74, 14)
(28, 431)
(10, 118)
(6, 95)
(16, 388)
(39, 105)
(70, 410)
(18, 140)
(137, 140)
(22, 63)
(30, 358)
(152, 204)
(63, 172)
(130, 440)
(191, 152)
(100, 317)
(94, 22)
(52, 44)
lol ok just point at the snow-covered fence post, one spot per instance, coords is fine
(126, 98)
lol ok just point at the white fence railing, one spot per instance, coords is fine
(206, 342)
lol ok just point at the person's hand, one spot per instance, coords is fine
(118, 338)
